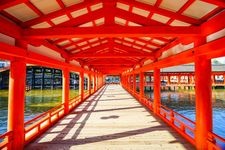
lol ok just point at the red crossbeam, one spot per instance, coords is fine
(113, 31)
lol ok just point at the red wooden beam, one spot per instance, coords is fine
(109, 6)
(14, 31)
(60, 12)
(111, 64)
(110, 55)
(135, 18)
(8, 3)
(141, 46)
(161, 11)
(147, 42)
(210, 50)
(115, 31)
(92, 49)
(90, 16)
(89, 61)
(9, 28)
(220, 3)
(129, 49)
(34, 58)
(91, 52)
(63, 53)
(214, 24)
(110, 67)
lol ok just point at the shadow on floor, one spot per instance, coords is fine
(66, 133)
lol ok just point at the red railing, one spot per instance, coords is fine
(6, 140)
(92, 91)
(74, 102)
(215, 142)
(86, 94)
(39, 124)
(183, 125)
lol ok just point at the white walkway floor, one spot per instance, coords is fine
(110, 119)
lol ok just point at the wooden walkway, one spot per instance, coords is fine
(110, 119)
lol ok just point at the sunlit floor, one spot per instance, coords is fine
(110, 119)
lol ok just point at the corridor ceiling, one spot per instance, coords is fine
(111, 36)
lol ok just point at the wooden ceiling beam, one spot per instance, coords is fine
(210, 50)
(110, 55)
(135, 18)
(60, 12)
(111, 31)
(220, 3)
(9, 28)
(9, 3)
(161, 11)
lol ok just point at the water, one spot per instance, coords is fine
(37, 102)
(183, 102)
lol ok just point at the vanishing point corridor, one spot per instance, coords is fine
(110, 119)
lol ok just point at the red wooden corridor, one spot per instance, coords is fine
(110, 119)
(95, 38)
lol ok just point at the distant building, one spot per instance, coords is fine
(41, 78)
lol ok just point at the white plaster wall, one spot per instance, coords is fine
(74, 62)
(46, 52)
(7, 39)
(216, 35)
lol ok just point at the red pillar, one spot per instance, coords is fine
(89, 84)
(141, 84)
(81, 86)
(66, 90)
(188, 79)
(156, 103)
(168, 77)
(214, 79)
(178, 78)
(134, 82)
(203, 92)
(16, 102)
(95, 82)
(224, 79)
(125, 80)
(100, 80)
(129, 81)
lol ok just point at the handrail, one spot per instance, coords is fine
(43, 114)
(74, 102)
(215, 142)
(6, 140)
(171, 117)
(86, 94)
(39, 124)
(189, 120)
(72, 99)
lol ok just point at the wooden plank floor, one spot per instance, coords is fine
(110, 119)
